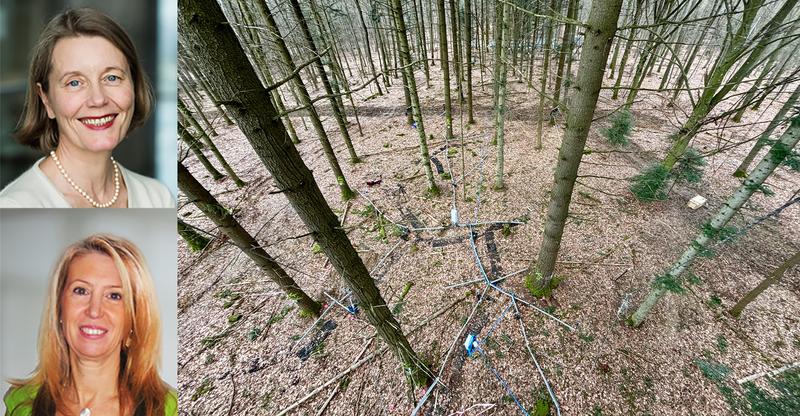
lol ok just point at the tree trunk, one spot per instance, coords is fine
(500, 78)
(545, 67)
(562, 56)
(369, 47)
(626, 52)
(194, 146)
(210, 144)
(305, 100)
(776, 275)
(423, 53)
(194, 240)
(741, 171)
(601, 26)
(448, 104)
(298, 13)
(201, 22)
(223, 218)
(411, 87)
(468, 53)
(456, 50)
(765, 168)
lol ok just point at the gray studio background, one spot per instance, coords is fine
(151, 149)
(31, 241)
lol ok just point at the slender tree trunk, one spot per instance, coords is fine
(201, 22)
(601, 26)
(456, 50)
(305, 100)
(197, 106)
(448, 104)
(411, 87)
(500, 110)
(211, 146)
(298, 13)
(276, 95)
(421, 42)
(468, 53)
(775, 276)
(194, 240)
(545, 67)
(242, 239)
(369, 47)
(562, 56)
(626, 52)
(741, 171)
(754, 180)
(194, 146)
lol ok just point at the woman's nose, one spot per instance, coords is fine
(95, 309)
(97, 95)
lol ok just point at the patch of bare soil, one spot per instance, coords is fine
(269, 358)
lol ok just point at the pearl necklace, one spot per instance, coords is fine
(87, 196)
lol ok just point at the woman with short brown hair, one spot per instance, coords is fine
(86, 92)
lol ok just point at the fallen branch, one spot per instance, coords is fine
(361, 362)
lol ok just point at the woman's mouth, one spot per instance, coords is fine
(99, 123)
(92, 332)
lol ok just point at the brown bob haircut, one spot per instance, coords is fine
(37, 130)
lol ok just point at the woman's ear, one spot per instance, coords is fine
(45, 101)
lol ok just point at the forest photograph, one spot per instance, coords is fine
(488, 207)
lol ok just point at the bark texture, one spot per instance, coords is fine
(207, 33)
(600, 29)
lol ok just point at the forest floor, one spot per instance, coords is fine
(245, 350)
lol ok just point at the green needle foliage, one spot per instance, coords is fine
(649, 185)
(621, 127)
(689, 168)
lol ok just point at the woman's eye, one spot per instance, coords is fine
(115, 296)
(112, 78)
(74, 83)
(79, 291)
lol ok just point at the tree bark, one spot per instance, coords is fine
(305, 100)
(500, 78)
(201, 22)
(223, 218)
(298, 13)
(765, 168)
(776, 275)
(411, 87)
(600, 29)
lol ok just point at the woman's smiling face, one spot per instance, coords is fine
(92, 307)
(90, 94)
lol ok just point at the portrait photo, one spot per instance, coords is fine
(83, 294)
(88, 104)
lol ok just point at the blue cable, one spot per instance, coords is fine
(500, 379)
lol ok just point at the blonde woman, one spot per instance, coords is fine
(99, 338)
(86, 92)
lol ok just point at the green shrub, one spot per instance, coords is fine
(689, 168)
(621, 127)
(649, 185)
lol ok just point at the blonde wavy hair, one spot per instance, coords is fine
(141, 387)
